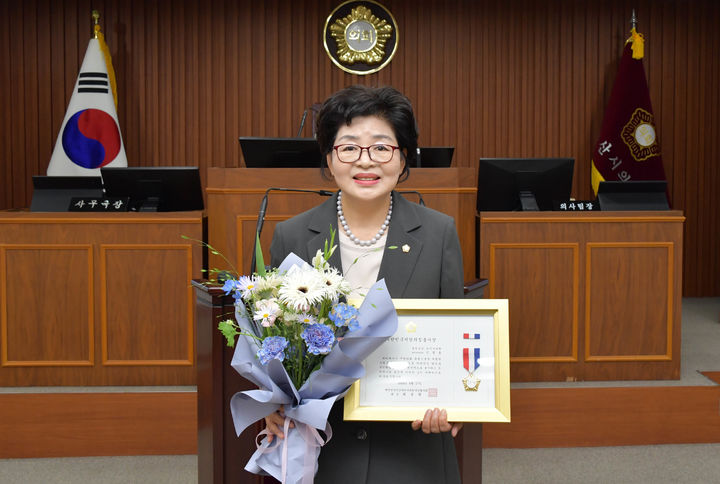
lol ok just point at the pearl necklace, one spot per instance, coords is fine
(351, 236)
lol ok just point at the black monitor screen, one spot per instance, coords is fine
(54, 193)
(155, 189)
(510, 184)
(434, 157)
(280, 152)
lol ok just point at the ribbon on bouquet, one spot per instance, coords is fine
(312, 439)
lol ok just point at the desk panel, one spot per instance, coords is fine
(92, 299)
(623, 285)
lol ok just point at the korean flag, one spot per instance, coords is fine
(90, 134)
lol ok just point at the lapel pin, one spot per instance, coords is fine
(406, 248)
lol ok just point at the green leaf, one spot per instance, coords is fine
(227, 328)
(259, 260)
(392, 247)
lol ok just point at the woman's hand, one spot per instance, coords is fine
(274, 424)
(435, 421)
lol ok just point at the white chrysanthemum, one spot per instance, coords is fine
(269, 282)
(301, 289)
(266, 311)
(335, 284)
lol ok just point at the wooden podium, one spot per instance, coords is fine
(234, 196)
(593, 296)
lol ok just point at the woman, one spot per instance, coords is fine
(368, 135)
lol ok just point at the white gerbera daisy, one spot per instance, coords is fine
(301, 289)
(335, 284)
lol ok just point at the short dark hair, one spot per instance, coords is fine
(384, 102)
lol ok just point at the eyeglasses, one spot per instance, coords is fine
(378, 153)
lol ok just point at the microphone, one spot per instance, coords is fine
(263, 209)
(414, 192)
(302, 123)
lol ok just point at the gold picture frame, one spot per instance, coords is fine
(424, 366)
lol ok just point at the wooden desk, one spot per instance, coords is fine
(95, 299)
(593, 296)
(234, 196)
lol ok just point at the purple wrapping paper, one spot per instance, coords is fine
(310, 405)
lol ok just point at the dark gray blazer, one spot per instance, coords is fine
(431, 267)
(386, 452)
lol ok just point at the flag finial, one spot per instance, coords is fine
(96, 20)
(638, 42)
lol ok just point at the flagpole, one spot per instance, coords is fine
(633, 20)
(96, 21)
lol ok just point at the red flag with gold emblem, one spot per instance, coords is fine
(628, 148)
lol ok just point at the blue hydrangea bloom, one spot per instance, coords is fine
(319, 338)
(345, 315)
(273, 347)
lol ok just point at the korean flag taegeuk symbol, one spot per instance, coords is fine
(90, 135)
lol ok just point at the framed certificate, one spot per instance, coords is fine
(446, 353)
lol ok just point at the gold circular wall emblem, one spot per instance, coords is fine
(360, 37)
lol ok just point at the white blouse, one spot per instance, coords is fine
(360, 265)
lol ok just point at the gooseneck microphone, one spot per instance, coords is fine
(263, 209)
(302, 123)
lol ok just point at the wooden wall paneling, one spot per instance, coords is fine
(491, 78)
(692, 136)
(712, 263)
(31, 108)
(16, 96)
(6, 119)
(44, 137)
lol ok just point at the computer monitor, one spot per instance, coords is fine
(510, 184)
(434, 157)
(280, 152)
(155, 189)
(54, 193)
(633, 195)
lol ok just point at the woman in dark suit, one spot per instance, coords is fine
(368, 135)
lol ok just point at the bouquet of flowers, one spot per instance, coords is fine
(302, 345)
